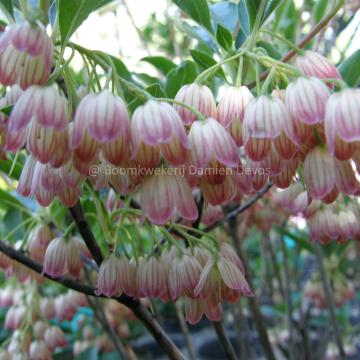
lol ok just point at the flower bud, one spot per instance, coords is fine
(197, 96)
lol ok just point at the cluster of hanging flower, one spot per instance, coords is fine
(305, 131)
(28, 318)
(239, 145)
(31, 320)
(203, 281)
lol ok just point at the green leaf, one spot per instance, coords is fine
(11, 220)
(7, 200)
(73, 13)
(185, 73)
(7, 8)
(198, 10)
(156, 90)
(120, 67)
(161, 63)
(205, 61)
(5, 166)
(224, 37)
(244, 18)
(7, 109)
(146, 79)
(225, 14)
(198, 33)
(350, 69)
(271, 7)
(285, 20)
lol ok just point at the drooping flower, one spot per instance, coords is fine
(41, 104)
(39, 119)
(345, 179)
(231, 110)
(152, 278)
(164, 195)
(342, 122)
(198, 96)
(62, 256)
(108, 282)
(319, 173)
(54, 337)
(306, 100)
(157, 124)
(220, 274)
(101, 120)
(324, 226)
(218, 194)
(312, 63)
(209, 139)
(26, 54)
(184, 275)
(38, 240)
(264, 122)
(39, 351)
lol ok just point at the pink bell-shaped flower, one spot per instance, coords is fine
(306, 100)
(101, 120)
(342, 122)
(41, 104)
(54, 337)
(158, 124)
(209, 139)
(312, 63)
(164, 195)
(197, 96)
(62, 256)
(152, 278)
(319, 173)
(231, 110)
(26, 55)
(264, 122)
(38, 350)
(108, 282)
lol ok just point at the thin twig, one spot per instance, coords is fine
(316, 29)
(185, 331)
(240, 209)
(291, 345)
(224, 340)
(99, 314)
(253, 302)
(329, 299)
